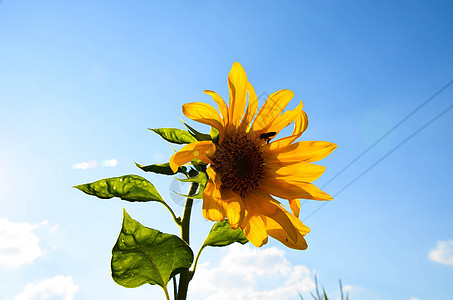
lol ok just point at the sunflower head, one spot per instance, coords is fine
(248, 166)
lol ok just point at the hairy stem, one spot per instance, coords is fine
(186, 275)
(175, 288)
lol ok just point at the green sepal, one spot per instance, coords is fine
(201, 178)
(144, 255)
(222, 235)
(129, 187)
(174, 135)
(198, 195)
(196, 134)
(214, 134)
(199, 165)
(162, 169)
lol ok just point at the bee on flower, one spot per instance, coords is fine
(247, 168)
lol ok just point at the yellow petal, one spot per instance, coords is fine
(200, 150)
(298, 171)
(276, 231)
(273, 106)
(294, 204)
(203, 113)
(252, 107)
(302, 151)
(223, 108)
(291, 190)
(263, 204)
(301, 227)
(213, 175)
(285, 119)
(234, 207)
(254, 229)
(300, 125)
(237, 84)
(212, 208)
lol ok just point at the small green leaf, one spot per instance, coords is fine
(174, 135)
(325, 295)
(129, 187)
(144, 255)
(162, 169)
(221, 235)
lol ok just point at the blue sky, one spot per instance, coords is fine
(82, 81)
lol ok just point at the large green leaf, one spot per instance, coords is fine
(129, 187)
(221, 235)
(162, 169)
(174, 135)
(144, 255)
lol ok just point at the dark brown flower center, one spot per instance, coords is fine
(240, 163)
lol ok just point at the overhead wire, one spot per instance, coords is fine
(437, 93)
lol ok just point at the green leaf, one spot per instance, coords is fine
(221, 235)
(129, 187)
(162, 169)
(174, 135)
(144, 255)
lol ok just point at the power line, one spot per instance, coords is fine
(387, 154)
(438, 92)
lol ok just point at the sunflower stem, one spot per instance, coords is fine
(175, 288)
(186, 275)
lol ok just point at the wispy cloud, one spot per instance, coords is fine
(443, 253)
(58, 286)
(92, 164)
(18, 244)
(241, 271)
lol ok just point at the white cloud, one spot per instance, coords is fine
(351, 288)
(243, 272)
(414, 298)
(18, 244)
(443, 253)
(352, 291)
(92, 164)
(58, 286)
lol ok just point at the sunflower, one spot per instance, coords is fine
(247, 168)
